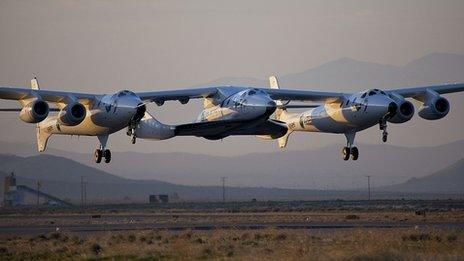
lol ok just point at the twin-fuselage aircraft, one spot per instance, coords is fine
(228, 111)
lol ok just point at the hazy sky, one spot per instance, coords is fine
(104, 46)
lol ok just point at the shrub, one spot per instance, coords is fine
(452, 238)
(416, 237)
(96, 248)
(352, 217)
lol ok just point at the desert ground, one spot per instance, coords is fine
(329, 230)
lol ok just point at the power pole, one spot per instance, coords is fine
(38, 192)
(369, 186)
(223, 179)
(82, 192)
(85, 193)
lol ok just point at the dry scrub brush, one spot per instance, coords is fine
(260, 244)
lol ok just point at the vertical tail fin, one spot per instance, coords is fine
(35, 84)
(42, 135)
(42, 138)
(280, 112)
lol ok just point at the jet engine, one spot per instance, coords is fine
(71, 115)
(404, 112)
(34, 112)
(434, 108)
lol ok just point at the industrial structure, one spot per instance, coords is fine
(16, 195)
(161, 198)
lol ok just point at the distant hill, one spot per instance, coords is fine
(449, 179)
(310, 169)
(61, 177)
(347, 74)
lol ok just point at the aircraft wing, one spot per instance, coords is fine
(206, 128)
(276, 94)
(9, 93)
(183, 94)
(416, 92)
(220, 129)
(301, 95)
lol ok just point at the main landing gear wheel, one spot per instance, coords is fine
(354, 153)
(346, 153)
(384, 137)
(98, 155)
(107, 155)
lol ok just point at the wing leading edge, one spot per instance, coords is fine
(10, 93)
(417, 92)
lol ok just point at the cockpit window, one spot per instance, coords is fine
(372, 93)
(124, 93)
(364, 95)
(251, 92)
(382, 92)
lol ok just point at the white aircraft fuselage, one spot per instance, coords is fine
(107, 114)
(353, 115)
(244, 105)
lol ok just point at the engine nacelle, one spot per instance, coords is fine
(434, 108)
(72, 115)
(404, 112)
(34, 112)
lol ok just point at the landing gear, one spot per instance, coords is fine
(131, 132)
(346, 153)
(350, 150)
(102, 152)
(354, 153)
(383, 128)
(98, 154)
(107, 155)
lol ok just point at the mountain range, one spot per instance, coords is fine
(308, 169)
(347, 74)
(62, 177)
(449, 180)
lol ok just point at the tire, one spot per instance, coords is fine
(133, 140)
(354, 153)
(346, 153)
(107, 155)
(384, 138)
(98, 156)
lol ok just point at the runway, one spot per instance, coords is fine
(32, 230)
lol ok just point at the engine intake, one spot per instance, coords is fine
(404, 112)
(34, 112)
(73, 114)
(434, 108)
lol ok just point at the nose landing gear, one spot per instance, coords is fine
(131, 133)
(102, 152)
(350, 150)
(383, 128)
